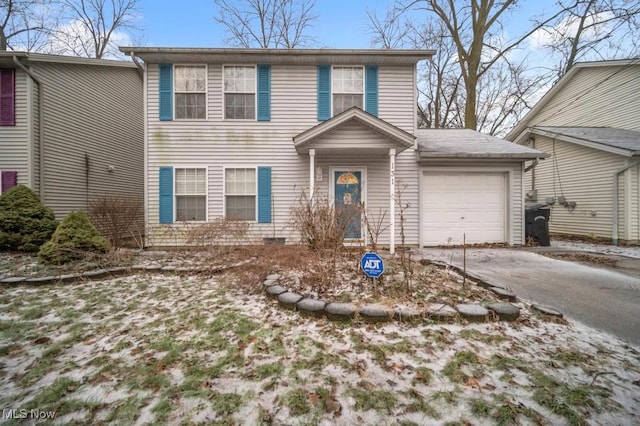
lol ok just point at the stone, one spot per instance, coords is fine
(117, 271)
(153, 268)
(440, 312)
(340, 311)
(269, 283)
(375, 313)
(12, 280)
(472, 312)
(273, 277)
(504, 294)
(405, 314)
(168, 269)
(66, 278)
(40, 280)
(289, 300)
(311, 307)
(97, 274)
(547, 310)
(275, 290)
(505, 311)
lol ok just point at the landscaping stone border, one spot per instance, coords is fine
(375, 313)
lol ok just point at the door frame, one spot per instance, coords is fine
(363, 195)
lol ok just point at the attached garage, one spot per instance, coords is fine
(471, 188)
(464, 206)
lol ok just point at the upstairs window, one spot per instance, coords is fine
(347, 88)
(7, 96)
(190, 92)
(191, 194)
(240, 93)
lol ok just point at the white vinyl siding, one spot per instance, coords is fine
(190, 91)
(585, 175)
(221, 144)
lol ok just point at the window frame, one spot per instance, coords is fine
(255, 94)
(206, 89)
(176, 195)
(225, 195)
(333, 93)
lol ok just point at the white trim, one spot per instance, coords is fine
(145, 89)
(206, 192)
(523, 195)
(627, 202)
(392, 201)
(363, 196)
(583, 142)
(333, 67)
(224, 189)
(206, 92)
(30, 126)
(312, 170)
(255, 92)
(509, 184)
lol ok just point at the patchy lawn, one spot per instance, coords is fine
(162, 349)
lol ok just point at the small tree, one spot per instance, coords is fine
(25, 223)
(115, 216)
(74, 239)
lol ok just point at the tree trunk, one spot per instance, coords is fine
(3, 41)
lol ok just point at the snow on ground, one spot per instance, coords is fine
(628, 251)
(158, 349)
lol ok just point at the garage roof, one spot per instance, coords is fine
(466, 143)
(617, 141)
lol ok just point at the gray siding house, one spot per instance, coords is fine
(71, 128)
(589, 123)
(242, 134)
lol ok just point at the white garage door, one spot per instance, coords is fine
(459, 203)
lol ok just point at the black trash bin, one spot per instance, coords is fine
(537, 223)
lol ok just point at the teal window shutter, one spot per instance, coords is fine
(324, 92)
(371, 89)
(264, 92)
(165, 84)
(165, 185)
(264, 194)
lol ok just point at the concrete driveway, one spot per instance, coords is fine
(603, 299)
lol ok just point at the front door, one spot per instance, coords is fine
(348, 192)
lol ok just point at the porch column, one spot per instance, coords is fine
(312, 180)
(392, 200)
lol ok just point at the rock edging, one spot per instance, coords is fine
(375, 313)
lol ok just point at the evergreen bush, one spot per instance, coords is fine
(75, 239)
(25, 223)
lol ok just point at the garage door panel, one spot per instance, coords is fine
(459, 203)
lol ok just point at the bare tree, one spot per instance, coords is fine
(22, 24)
(591, 30)
(267, 23)
(92, 26)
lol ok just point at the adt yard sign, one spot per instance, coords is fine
(372, 265)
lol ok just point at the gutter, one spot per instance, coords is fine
(616, 174)
(40, 124)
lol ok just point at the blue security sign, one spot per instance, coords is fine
(372, 265)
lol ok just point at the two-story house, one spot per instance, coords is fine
(242, 133)
(589, 122)
(70, 128)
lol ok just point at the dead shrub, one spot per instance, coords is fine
(321, 227)
(219, 232)
(117, 218)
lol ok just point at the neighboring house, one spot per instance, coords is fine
(589, 123)
(243, 134)
(71, 128)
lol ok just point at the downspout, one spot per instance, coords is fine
(135, 61)
(616, 174)
(40, 124)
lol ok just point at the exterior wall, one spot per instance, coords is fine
(601, 96)
(216, 143)
(93, 119)
(585, 175)
(14, 140)
(515, 199)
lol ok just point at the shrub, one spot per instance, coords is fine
(25, 223)
(116, 217)
(74, 239)
(218, 232)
